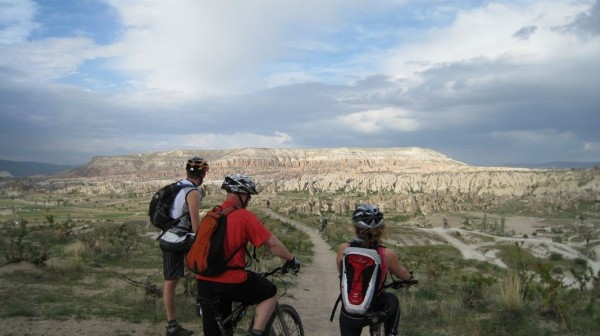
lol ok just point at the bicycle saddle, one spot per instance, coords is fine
(210, 300)
(375, 315)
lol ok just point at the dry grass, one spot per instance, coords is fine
(76, 250)
(511, 294)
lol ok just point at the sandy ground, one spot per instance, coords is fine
(318, 285)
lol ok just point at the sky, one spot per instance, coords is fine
(482, 82)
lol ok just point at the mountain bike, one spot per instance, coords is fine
(285, 320)
(377, 318)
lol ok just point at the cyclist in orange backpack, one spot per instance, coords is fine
(237, 284)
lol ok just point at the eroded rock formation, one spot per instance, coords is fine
(404, 179)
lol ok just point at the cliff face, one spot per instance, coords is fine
(407, 179)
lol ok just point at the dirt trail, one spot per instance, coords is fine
(318, 285)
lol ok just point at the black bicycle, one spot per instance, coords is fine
(377, 318)
(285, 320)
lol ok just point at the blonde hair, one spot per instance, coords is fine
(371, 237)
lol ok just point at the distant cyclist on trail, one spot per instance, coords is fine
(370, 231)
(237, 284)
(444, 223)
(323, 225)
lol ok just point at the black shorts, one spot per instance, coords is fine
(173, 264)
(254, 290)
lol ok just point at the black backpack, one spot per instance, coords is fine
(160, 206)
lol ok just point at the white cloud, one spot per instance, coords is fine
(591, 146)
(49, 59)
(380, 121)
(210, 47)
(488, 32)
(16, 20)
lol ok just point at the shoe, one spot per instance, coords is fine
(178, 330)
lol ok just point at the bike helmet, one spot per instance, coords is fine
(367, 216)
(196, 165)
(239, 184)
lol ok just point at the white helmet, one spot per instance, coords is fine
(239, 184)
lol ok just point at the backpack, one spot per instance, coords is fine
(360, 279)
(207, 254)
(160, 206)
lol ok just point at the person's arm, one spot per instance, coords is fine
(391, 259)
(193, 202)
(277, 248)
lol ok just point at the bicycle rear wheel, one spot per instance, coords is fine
(288, 319)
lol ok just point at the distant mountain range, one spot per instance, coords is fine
(407, 179)
(25, 169)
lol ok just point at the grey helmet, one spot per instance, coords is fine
(239, 184)
(367, 216)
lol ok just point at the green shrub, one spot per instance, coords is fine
(554, 256)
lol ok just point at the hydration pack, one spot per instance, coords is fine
(360, 279)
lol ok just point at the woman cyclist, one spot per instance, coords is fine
(370, 231)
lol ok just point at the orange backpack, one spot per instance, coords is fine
(207, 254)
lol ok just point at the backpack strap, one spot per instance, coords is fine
(337, 302)
(226, 212)
(180, 187)
(339, 299)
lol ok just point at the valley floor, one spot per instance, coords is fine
(318, 283)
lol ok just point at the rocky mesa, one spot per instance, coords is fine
(407, 179)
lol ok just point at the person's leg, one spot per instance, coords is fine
(173, 271)
(392, 323)
(211, 290)
(260, 291)
(351, 325)
(169, 298)
(263, 312)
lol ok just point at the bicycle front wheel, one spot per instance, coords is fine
(285, 322)
(377, 330)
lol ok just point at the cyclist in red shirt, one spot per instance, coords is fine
(238, 284)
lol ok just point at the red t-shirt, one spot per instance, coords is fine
(242, 227)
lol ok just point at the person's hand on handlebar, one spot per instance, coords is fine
(293, 264)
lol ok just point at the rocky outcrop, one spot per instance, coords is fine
(404, 179)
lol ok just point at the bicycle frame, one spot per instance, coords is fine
(277, 320)
(235, 317)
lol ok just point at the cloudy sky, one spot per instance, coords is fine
(483, 82)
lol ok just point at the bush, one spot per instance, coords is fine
(554, 256)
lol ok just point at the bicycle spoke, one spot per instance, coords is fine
(288, 320)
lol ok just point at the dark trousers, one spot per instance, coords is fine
(254, 290)
(352, 325)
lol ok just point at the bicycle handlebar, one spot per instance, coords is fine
(397, 284)
(266, 274)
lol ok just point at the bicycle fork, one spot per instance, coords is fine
(279, 315)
